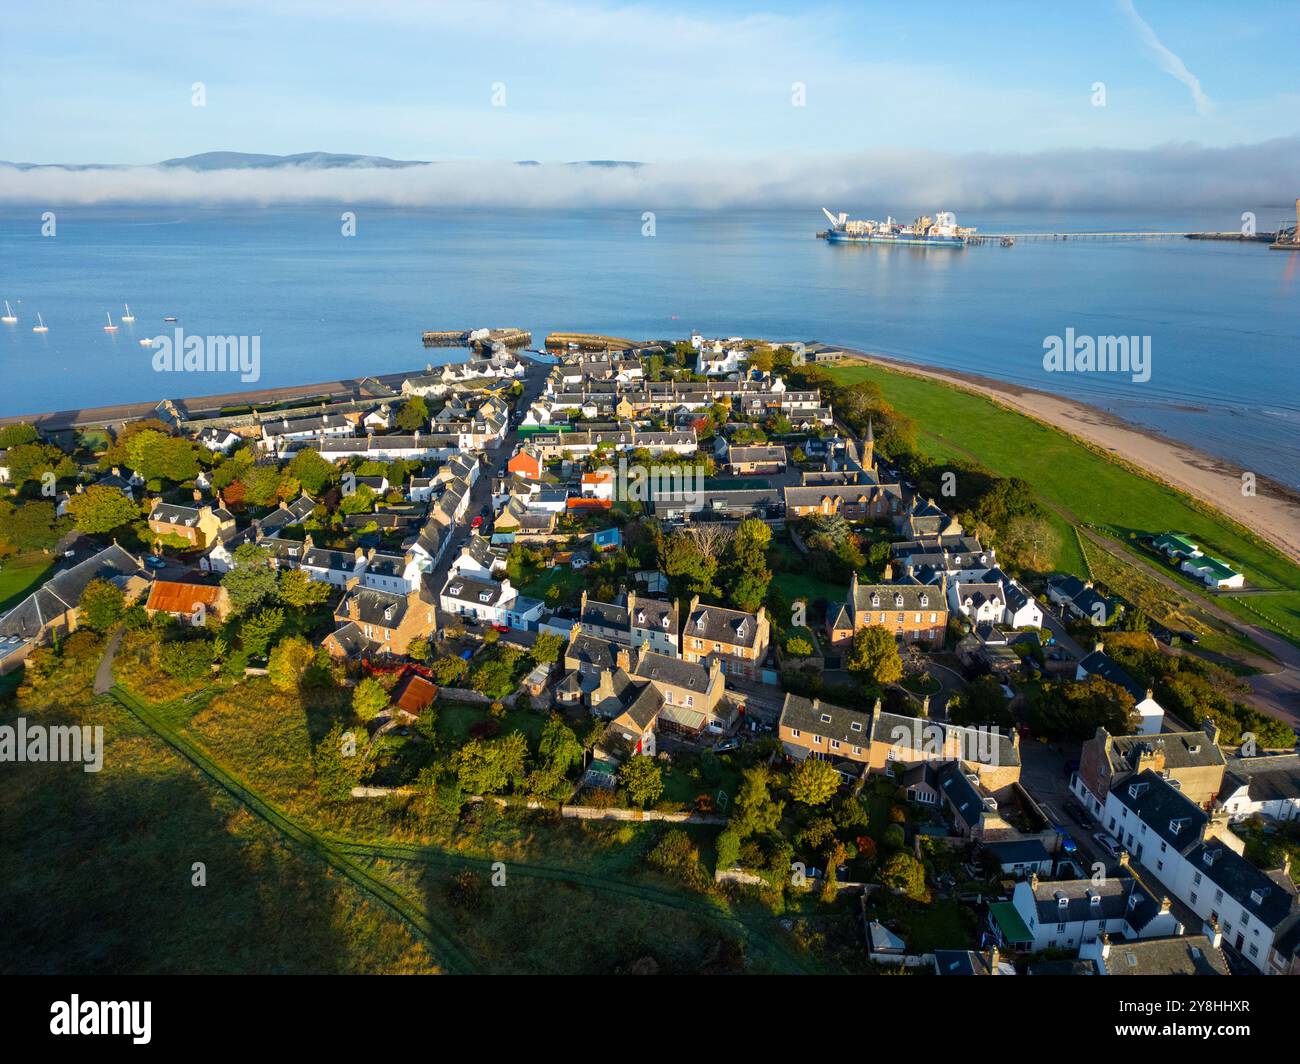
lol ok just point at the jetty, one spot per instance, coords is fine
(588, 342)
(477, 339)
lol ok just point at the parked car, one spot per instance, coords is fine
(153, 561)
(1068, 845)
(1189, 637)
(1078, 814)
(477, 522)
(727, 745)
(501, 628)
(1106, 843)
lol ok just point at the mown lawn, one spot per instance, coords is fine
(19, 576)
(1086, 485)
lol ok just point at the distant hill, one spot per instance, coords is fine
(321, 160)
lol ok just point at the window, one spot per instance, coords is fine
(826, 718)
(835, 744)
(1193, 897)
(857, 750)
(855, 725)
(690, 700)
(1254, 950)
(794, 732)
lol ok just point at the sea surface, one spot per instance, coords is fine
(1223, 318)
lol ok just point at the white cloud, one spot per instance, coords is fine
(1169, 62)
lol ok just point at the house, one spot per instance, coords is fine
(812, 728)
(1066, 914)
(968, 962)
(725, 504)
(1177, 955)
(897, 742)
(374, 622)
(598, 485)
(53, 609)
(188, 601)
(1175, 545)
(1212, 572)
(1267, 786)
(522, 521)
(478, 558)
(1199, 861)
(199, 527)
(1020, 857)
(278, 435)
(489, 601)
(218, 441)
(1192, 760)
(995, 598)
(335, 567)
(757, 459)
(414, 695)
(526, 462)
(1151, 715)
(632, 620)
(1080, 599)
(912, 612)
(379, 419)
(738, 640)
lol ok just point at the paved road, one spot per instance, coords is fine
(1042, 774)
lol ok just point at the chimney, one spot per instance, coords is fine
(1033, 881)
(575, 630)
(198, 495)
(1123, 858)
(993, 957)
(582, 602)
(1105, 945)
(1165, 904)
(631, 605)
(888, 574)
(1098, 647)
(1212, 730)
(623, 659)
(116, 471)
(925, 706)
(715, 670)
(1150, 694)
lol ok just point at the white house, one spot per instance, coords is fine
(1068, 913)
(479, 559)
(1201, 863)
(1212, 572)
(1099, 663)
(489, 601)
(1267, 786)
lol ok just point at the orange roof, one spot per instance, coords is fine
(417, 695)
(171, 596)
(575, 503)
(598, 477)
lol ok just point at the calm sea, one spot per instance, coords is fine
(1223, 318)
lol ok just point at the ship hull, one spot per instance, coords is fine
(911, 241)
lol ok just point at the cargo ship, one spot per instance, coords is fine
(940, 231)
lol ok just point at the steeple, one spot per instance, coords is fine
(869, 447)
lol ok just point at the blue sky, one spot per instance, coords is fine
(111, 82)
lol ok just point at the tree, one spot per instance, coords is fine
(762, 359)
(727, 848)
(904, 873)
(1029, 542)
(290, 659)
(102, 605)
(34, 461)
(100, 509)
(874, 655)
(338, 766)
(750, 575)
(14, 435)
(756, 813)
(681, 557)
(369, 698)
(30, 525)
(546, 651)
(1074, 710)
(312, 472)
(677, 856)
(798, 647)
(814, 782)
(252, 582)
(260, 629)
(186, 659)
(981, 703)
(558, 745)
(414, 414)
(418, 649)
(486, 766)
(299, 591)
(643, 779)
(449, 671)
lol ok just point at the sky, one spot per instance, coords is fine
(690, 86)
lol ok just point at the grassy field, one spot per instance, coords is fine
(19, 575)
(1086, 486)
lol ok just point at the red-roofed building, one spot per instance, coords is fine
(191, 602)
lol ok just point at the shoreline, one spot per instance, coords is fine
(1273, 513)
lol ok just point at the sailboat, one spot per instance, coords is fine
(8, 318)
(128, 317)
(40, 325)
(110, 327)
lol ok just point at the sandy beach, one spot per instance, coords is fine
(1273, 513)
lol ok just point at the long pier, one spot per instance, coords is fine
(1008, 239)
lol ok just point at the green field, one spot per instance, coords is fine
(1084, 486)
(19, 575)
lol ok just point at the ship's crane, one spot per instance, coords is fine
(836, 220)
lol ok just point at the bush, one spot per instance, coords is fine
(187, 660)
(895, 838)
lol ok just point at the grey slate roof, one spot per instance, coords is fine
(63, 591)
(1168, 812)
(722, 625)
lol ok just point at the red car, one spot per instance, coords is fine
(501, 628)
(476, 523)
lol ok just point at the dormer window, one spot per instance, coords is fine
(1135, 789)
(664, 621)
(640, 616)
(1257, 896)
(485, 596)
(875, 600)
(1176, 825)
(855, 725)
(455, 589)
(898, 602)
(925, 599)
(699, 624)
(1094, 900)
(826, 718)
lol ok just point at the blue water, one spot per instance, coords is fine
(1223, 318)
